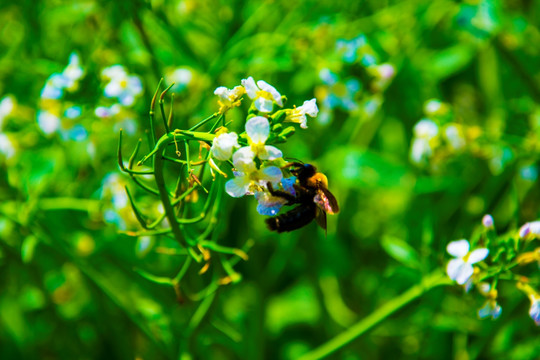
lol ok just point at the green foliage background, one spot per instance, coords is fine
(68, 285)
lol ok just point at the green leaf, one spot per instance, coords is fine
(401, 251)
(27, 248)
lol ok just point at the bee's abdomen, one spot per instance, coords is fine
(293, 219)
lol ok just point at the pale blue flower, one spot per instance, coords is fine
(490, 309)
(487, 221)
(534, 311)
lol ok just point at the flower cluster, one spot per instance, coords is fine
(339, 91)
(57, 115)
(255, 160)
(437, 135)
(468, 268)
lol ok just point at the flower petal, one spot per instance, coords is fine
(310, 107)
(268, 204)
(223, 145)
(288, 184)
(271, 173)
(272, 90)
(243, 159)
(238, 186)
(458, 248)
(263, 105)
(270, 153)
(251, 88)
(258, 129)
(477, 255)
(453, 268)
(465, 271)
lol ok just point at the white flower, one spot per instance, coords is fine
(6, 146)
(426, 129)
(454, 136)
(122, 86)
(420, 150)
(258, 131)
(534, 311)
(73, 71)
(181, 77)
(6, 107)
(490, 308)
(105, 112)
(262, 93)
(248, 179)
(48, 122)
(461, 269)
(222, 146)
(532, 228)
(298, 115)
(229, 98)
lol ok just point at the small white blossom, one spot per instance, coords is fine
(426, 129)
(223, 145)
(229, 98)
(461, 268)
(454, 136)
(6, 107)
(48, 122)
(6, 146)
(262, 94)
(181, 77)
(258, 131)
(121, 85)
(298, 115)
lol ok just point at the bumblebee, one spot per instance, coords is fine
(312, 196)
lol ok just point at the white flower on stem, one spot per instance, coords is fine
(223, 145)
(258, 131)
(229, 98)
(534, 311)
(248, 179)
(262, 94)
(122, 86)
(461, 268)
(298, 115)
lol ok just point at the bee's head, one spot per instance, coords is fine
(302, 171)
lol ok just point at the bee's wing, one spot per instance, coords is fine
(320, 217)
(326, 201)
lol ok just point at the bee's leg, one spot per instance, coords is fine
(280, 193)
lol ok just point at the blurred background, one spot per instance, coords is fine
(429, 119)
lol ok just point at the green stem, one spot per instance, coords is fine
(429, 282)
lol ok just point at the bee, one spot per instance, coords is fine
(312, 196)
